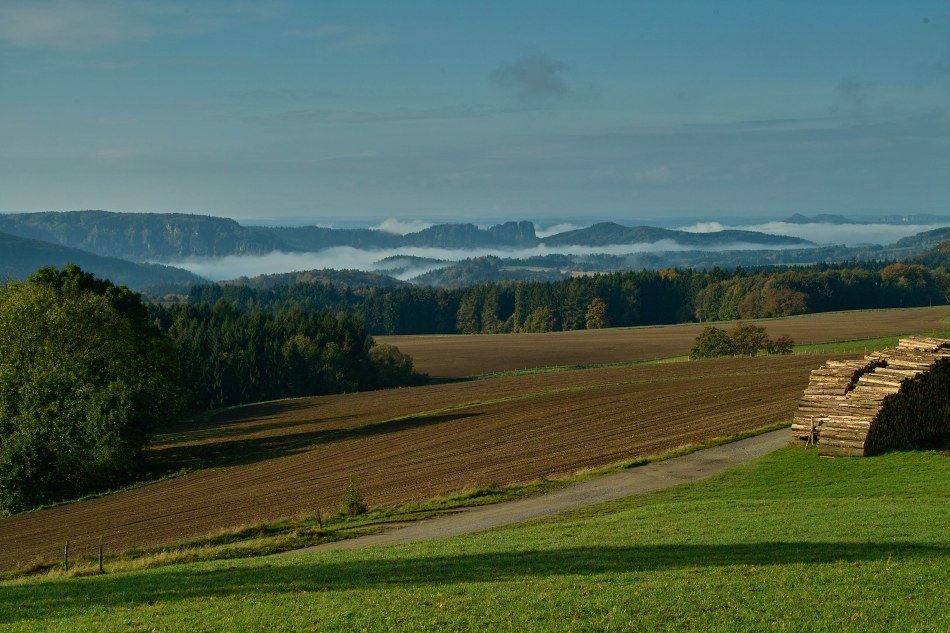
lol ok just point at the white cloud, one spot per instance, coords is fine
(554, 229)
(848, 234)
(703, 227)
(401, 227)
(345, 257)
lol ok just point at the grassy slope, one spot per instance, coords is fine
(789, 542)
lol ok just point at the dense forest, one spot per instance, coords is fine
(628, 298)
(228, 357)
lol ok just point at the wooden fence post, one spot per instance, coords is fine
(66, 556)
(100, 555)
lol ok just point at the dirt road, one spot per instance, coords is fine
(625, 483)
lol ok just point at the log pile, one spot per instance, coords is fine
(844, 400)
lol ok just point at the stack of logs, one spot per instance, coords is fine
(843, 398)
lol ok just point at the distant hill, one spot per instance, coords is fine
(920, 219)
(20, 256)
(823, 218)
(610, 233)
(342, 278)
(176, 236)
(313, 238)
(936, 257)
(925, 240)
(316, 238)
(555, 266)
(515, 234)
(143, 236)
(480, 269)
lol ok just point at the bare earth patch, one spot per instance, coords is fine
(291, 457)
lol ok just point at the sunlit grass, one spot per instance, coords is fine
(788, 542)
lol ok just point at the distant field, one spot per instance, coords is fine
(290, 457)
(467, 355)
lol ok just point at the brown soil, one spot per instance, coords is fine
(291, 457)
(455, 356)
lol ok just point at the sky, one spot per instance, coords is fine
(341, 113)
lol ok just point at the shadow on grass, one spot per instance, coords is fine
(320, 573)
(247, 451)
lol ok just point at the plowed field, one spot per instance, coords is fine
(455, 356)
(284, 458)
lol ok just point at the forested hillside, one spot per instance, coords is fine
(20, 256)
(608, 233)
(630, 298)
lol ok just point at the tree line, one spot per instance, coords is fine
(229, 357)
(601, 300)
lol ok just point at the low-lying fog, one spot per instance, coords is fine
(344, 257)
(823, 234)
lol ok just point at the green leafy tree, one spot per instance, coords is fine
(85, 380)
(748, 339)
(711, 343)
(743, 340)
(393, 368)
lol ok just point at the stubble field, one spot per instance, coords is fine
(466, 355)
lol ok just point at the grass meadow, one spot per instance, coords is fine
(788, 542)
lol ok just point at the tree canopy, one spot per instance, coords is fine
(84, 383)
(744, 340)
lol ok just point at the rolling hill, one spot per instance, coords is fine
(20, 256)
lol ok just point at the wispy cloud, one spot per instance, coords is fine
(534, 76)
(345, 257)
(344, 36)
(402, 227)
(83, 25)
(554, 229)
(658, 174)
(703, 227)
(69, 24)
(305, 116)
(821, 232)
(285, 94)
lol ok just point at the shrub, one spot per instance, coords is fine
(781, 345)
(352, 503)
(744, 340)
(713, 342)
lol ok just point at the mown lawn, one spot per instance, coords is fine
(789, 542)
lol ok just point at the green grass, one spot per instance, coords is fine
(864, 345)
(788, 542)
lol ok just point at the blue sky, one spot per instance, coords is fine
(340, 112)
